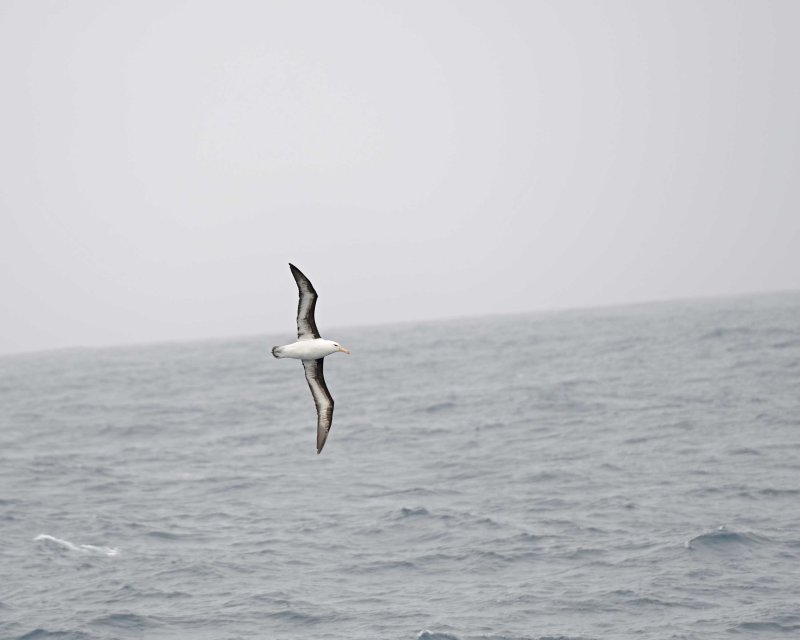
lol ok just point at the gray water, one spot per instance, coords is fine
(629, 472)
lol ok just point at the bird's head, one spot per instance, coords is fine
(337, 347)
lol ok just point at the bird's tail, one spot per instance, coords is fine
(276, 351)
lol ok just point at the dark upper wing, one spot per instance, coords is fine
(306, 327)
(322, 399)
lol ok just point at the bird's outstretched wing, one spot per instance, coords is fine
(322, 399)
(306, 326)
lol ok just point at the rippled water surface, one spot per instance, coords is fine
(617, 473)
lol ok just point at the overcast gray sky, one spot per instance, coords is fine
(163, 160)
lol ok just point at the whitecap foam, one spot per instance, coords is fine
(432, 635)
(78, 548)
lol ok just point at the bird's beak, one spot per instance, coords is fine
(342, 349)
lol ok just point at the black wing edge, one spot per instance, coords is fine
(306, 324)
(323, 400)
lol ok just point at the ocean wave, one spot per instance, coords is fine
(725, 332)
(412, 491)
(433, 635)
(438, 407)
(45, 634)
(779, 492)
(787, 625)
(130, 621)
(724, 538)
(412, 512)
(130, 593)
(298, 617)
(436, 635)
(58, 543)
(648, 601)
(745, 451)
(379, 566)
(168, 535)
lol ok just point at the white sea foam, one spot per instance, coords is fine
(432, 635)
(79, 548)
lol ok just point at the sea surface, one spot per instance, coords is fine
(628, 472)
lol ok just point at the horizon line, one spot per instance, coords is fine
(547, 310)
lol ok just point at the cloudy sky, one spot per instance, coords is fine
(163, 160)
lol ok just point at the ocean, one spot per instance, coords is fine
(626, 472)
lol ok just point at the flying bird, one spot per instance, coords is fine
(311, 349)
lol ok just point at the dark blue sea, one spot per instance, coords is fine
(617, 473)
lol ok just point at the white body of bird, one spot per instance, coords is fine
(308, 349)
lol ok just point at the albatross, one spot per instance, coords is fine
(311, 348)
